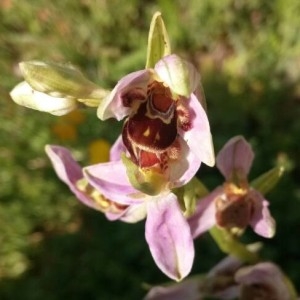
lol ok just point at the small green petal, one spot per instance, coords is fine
(158, 41)
(267, 181)
(147, 181)
(189, 194)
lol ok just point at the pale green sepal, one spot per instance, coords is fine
(158, 41)
(146, 181)
(230, 245)
(57, 80)
(267, 181)
(189, 194)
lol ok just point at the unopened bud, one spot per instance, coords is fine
(24, 95)
(57, 80)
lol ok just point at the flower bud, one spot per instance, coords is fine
(57, 80)
(23, 94)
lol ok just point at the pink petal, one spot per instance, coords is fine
(199, 137)
(199, 93)
(185, 168)
(169, 237)
(135, 213)
(117, 149)
(262, 222)
(68, 170)
(111, 179)
(112, 106)
(205, 215)
(227, 266)
(235, 156)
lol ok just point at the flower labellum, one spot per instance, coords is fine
(236, 204)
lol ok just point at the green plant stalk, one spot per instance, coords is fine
(230, 245)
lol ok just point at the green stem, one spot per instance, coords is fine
(230, 245)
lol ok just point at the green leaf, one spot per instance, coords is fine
(147, 181)
(158, 41)
(58, 80)
(230, 245)
(267, 181)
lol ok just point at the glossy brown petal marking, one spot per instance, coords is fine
(148, 159)
(128, 144)
(132, 96)
(140, 157)
(151, 134)
(234, 208)
(160, 102)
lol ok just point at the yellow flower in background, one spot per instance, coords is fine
(66, 126)
(65, 131)
(75, 117)
(98, 151)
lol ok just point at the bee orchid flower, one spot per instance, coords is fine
(165, 138)
(165, 116)
(230, 279)
(235, 204)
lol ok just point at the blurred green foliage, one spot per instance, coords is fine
(248, 53)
